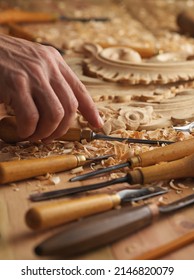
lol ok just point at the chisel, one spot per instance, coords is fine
(167, 153)
(181, 168)
(12, 171)
(8, 133)
(19, 16)
(60, 212)
(105, 228)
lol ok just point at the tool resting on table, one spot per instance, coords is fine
(60, 212)
(167, 153)
(181, 168)
(8, 133)
(12, 171)
(105, 228)
(167, 248)
(20, 16)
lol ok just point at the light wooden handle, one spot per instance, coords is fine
(16, 16)
(167, 153)
(96, 231)
(12, 171)
(57, 213)
(19, 32)
(181, 168)
(167, 248)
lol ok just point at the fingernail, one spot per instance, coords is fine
(100, 121)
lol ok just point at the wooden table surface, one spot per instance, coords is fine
(17, 241)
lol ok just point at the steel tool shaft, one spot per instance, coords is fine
(167, 153)
(60, 212)
(181, 168)
(105, 228)
(8, 133)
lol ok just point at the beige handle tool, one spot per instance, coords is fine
(181, 168)
(8, 132)
(167, 248)
(60, 212)
(163, 154)
(12, 171)
(18, 16)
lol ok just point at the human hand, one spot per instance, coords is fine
(42, 90)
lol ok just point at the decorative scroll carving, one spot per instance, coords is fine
(125, 65)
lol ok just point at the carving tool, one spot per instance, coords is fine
(167, 153)
(8, 133)
(12, 171)
(60, 212)
(187, 128)
(19, 16)
(17, 31)
(106, 228)
(181, 168)
(167, 248)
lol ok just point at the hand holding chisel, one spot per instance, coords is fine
(8, 133)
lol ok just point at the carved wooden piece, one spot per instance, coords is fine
(120, 65)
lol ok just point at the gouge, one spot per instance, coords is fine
(17, 31)
(19, 16)
(105, 228)
(167, 153)
(12, 171)
(167, 248)
(181, 168)
(8, 133)
(60, 212)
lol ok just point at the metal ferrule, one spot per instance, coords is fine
(135, 161)
(81, 159)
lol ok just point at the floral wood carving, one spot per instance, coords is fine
(125, 65)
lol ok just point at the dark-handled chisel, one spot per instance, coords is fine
(162, 154)
(105, 228)
(8, 133)
(181, 168)
(60, 212)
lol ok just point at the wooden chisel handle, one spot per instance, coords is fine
(18, 16)
(60, 212)
(162, 154)
(12, 171)
(8, 132)
(97, 231)
(167, 248)
(181, 168)
(19, 32)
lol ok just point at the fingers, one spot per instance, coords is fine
(25, 109)
(69, 103)
(86, 105)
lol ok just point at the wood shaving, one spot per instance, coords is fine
(54, 180)
(78, 169)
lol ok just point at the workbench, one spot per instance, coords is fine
(17, 241)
